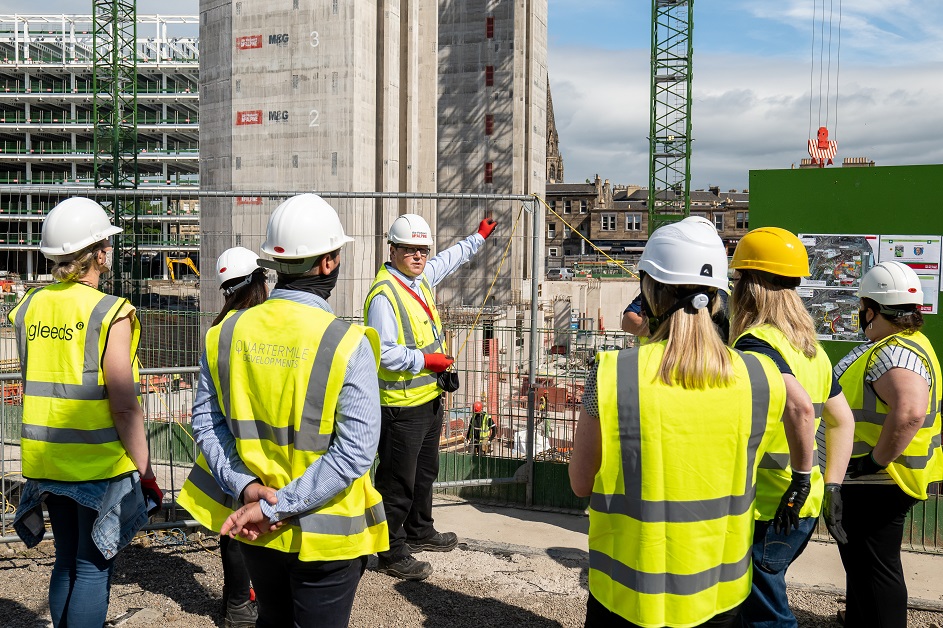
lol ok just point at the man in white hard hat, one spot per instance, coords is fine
(413, 364)
(286, 418)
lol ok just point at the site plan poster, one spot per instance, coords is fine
(922, 253)
(837, 262)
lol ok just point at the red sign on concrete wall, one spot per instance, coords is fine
(249, 42)
(248, 117)
(248, 200)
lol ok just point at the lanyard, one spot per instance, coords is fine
(425, 307)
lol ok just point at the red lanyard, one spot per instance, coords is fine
(416, 296)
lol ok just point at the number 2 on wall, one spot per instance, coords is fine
(314, 118)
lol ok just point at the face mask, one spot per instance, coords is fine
(320, 285)
(863, 321)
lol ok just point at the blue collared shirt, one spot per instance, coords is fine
(356, 433)
(382, 317)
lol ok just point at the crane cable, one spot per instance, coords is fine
(824, 59)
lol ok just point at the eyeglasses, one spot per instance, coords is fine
(412, 250)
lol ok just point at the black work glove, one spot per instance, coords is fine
(831, 511)
(793, 499)
(863, 465)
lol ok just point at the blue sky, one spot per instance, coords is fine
(752, 82)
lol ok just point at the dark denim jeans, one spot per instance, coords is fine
(81, 577)
(768, 606)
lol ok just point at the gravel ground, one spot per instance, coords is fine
(175, 582)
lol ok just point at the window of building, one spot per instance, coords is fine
(489, 27)
(608, 222)
(582, 207)
(489, 124)
(633, 222)
(554, 251)
(719, 221)
(567, 207)
(489, 172)
(489, 75)
(551, 230)
(566, 232)
(743, 220)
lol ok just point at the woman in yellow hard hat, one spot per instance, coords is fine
(667, 446)
(769, 318)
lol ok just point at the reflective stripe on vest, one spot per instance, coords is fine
(669, 544)
(204, 499)
(402, 388)
(278, 369)
(922, 460)
(68, 432)
(775, 473)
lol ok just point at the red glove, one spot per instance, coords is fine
(486, 226)
(438, 362)
(152, 492)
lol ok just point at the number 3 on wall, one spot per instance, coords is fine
(314, 39)
(314, 118)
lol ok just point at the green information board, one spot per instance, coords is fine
(886, 200)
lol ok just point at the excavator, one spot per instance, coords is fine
(186, 261)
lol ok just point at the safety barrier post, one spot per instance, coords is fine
(534, 331)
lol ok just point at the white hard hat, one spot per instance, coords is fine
(72, 225)
(410, 229)
(686, 253)
(235, 263)
(303, 226)
(701, 221)
(892, 283)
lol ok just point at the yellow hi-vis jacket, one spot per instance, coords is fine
(775, 472)
(278, 369)
(68, 431)
(416, 331)
(922, 460)
(671, 513)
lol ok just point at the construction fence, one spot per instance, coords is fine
(521, 350)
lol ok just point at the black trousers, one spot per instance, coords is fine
(293, 593)
(873, 517)
(409, 464)
(598, 616)
(236, 582)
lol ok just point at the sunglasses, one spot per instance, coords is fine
(412, 250)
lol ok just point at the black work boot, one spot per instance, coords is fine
(406, 568)
(241, 615)
(438, 542)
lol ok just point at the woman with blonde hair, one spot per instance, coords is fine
(667, 447)
(83, 442)
(769, 318)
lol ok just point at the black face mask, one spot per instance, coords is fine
(863, 321)
(320, 285)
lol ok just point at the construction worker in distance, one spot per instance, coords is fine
(413, 361)
(481, 430)
(667, 446)
(769, 318)
(83, 442)
(893, 384)
(286, 415)
(242, 282)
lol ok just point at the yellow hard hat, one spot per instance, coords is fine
(772, 250)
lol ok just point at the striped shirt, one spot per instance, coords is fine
(891, 355)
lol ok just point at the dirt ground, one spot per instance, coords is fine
(174, 581)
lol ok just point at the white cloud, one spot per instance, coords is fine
(748, 113)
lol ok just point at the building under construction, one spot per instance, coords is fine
(47, 127)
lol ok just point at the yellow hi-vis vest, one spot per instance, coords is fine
(416, 331)
(671, 513)
(68, 431)
(278, 369)
(922, 461)
(775, 472)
